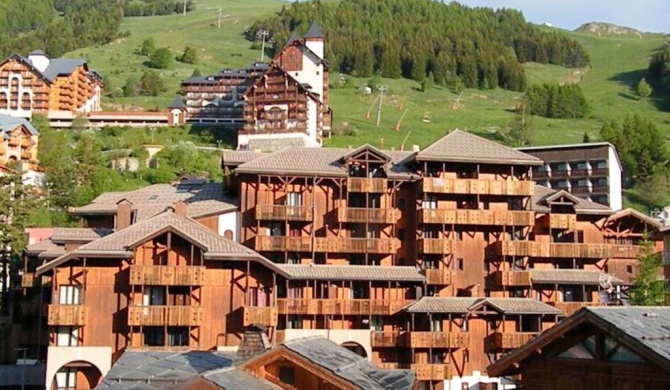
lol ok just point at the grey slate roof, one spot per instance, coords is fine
(314, 31)
(160, 369)
(37, 52)
(11, 375)
(349, 366)
(61, 66)
(202, 199)
(569, 276)
(9, 123)
(177, 103)
(541, 193)
(457, 305)
(40, 247)
(351, 272)
(234, 379)
(237, 157)
(78, 234)
(461, 146)
(521, 306)
(461, 305)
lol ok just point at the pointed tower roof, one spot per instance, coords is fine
(177, 103)
(314, 32)
(37, 52)
(294, 37)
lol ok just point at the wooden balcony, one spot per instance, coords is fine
(14, 141)
(476, 186)
(440, 277)
(502, 341)
(26, 155)
(438, 246)
(166, 275)
(564, 250)
(356, 245)
(384, 339)
(283, 213)
(450, 340)
(368, 185)
(164, 315)
(340, 306)
(423, 372)
(570, 308)
(562, 221)
(367, 215)
(283, 243)
(266, 316)
(66, 315)
(511, 279)
(27, 279)
(477, 217)
(26, 143)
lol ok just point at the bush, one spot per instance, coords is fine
(161, 58)
(151, 84)
(147, 47)
(190, 56)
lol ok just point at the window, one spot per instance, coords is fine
(294, 199)
(154, 336)
(294, 322)
(69, 295)
(66, 378)
(436, 325)
(276, 229)
(430, 202)
(318, 73)
(459, 264)
(178, 336)
(293, 258)
(376, 323)
(67, 336)
(153, 296)
(629, 269)
(287, 375)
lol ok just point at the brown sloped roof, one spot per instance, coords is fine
(569, 276)
(441, 305)
(541, 193)
(369, 147)
(521, 306)
(461, 146)
(636, 214)
(78, 234)
(351, 272)
(237, 157)
(39, 247)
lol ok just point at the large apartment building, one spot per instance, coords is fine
(18, 144)
(438, 260)
(41, 85)
(591, 171)
(272, 105)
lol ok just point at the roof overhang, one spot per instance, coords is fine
(420, 157)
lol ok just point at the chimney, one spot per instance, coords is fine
(416, 148)
(254, 342)
(124, 213)
(180, 208)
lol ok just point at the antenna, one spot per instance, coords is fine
(382, 89)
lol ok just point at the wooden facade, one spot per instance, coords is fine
(18, 144)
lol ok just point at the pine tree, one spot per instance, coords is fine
(643, 89)
(190, 56)
(586, 139)
(647, 289)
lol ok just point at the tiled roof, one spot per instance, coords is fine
(351, 272)
(14, 375)
(78, 234)
(201, 198)
(541, 193)
(39, 247)
(521, 306)
(52, 253)
(9, 123)
(237, 157)
(177, 103)
(234, 379)
(569, 276)
(350, 366)
(461, 146)
(441, 305)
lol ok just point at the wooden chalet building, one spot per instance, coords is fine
(598, 348)
(284, 103)
(41, 85)
(439, 261)
(18, 143)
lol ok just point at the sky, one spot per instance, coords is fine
(644, 15)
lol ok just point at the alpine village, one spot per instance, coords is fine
(352, 194)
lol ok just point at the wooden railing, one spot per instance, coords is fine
(564, 250)
(440, 277)
(283, 243)
(434, 340)
(440, 246)
(259, 315)
(14, 141)
(340, 306)
(66, 315)
(570, 308)
(500, 341)
(477, 217)
(283, 213)
(423, 372)
(356, 245)
(384, 339)
(476, 186)
(511, 278)
(167, 275)
(364, 184)
(27, 279)
(26, 142)
(369, 215)
(562, 221)
(164, 315)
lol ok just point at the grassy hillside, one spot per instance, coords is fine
(618, 62)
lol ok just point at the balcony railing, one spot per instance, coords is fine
(164, 315)
(27, 279)
(364, 184)
(477, 217)
(26, 142)
(564, 250)
(570, 308)
(283, 213)
(384, 339)
(440, 277)
(501, 341)
(511, 278)
(340, 306)
(367, 215)
(167, 275)
(476, 186)
(439, 246)
(283, 243)
(14, 141)
(259, 315)
(562, 221)
(434, 340)
(66, 315)
(356, 245)
(423, 372)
